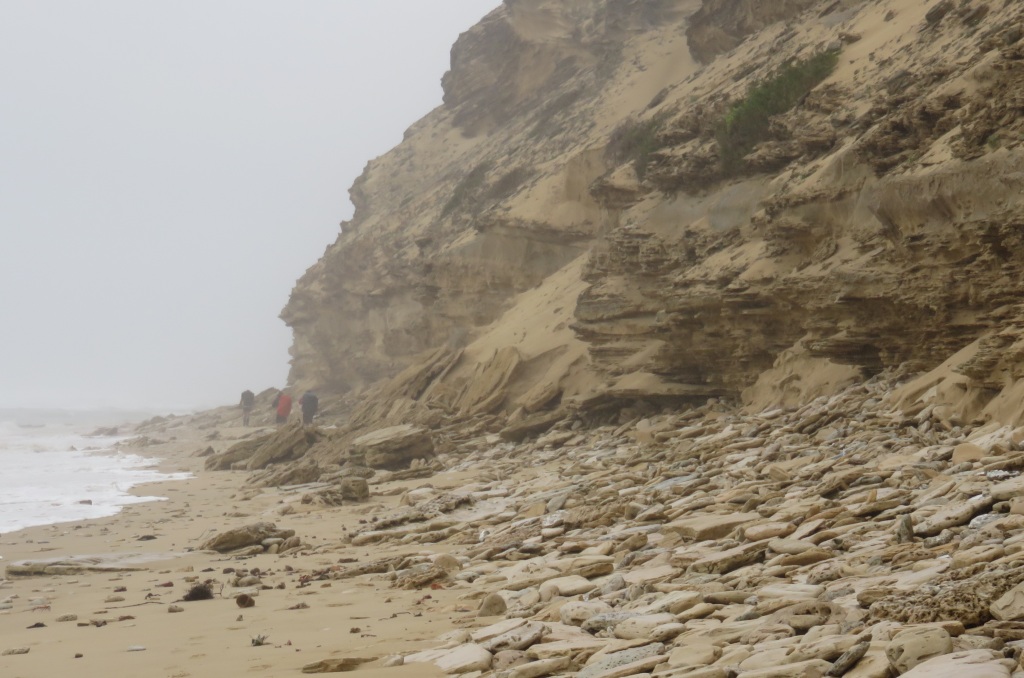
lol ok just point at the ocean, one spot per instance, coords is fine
(53, 471)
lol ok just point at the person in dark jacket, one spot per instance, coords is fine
(247, 402)
(309, 403)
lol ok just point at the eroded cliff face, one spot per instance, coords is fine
(567, 231)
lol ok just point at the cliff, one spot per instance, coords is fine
(613, 211)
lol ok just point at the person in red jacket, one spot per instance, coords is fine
(283, 403)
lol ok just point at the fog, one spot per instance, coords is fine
(169, 169)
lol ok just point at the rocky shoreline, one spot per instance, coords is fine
(846, 537)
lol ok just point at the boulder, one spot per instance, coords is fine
(394, 447)
(914, 646)
(242, 537)
(354, 489)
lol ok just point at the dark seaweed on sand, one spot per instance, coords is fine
(200, 591)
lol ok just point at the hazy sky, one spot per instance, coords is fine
(169, 169)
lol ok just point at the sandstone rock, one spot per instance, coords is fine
(394, 447)
(812, 668)
(541, 667)
(492, 605)
(694, 654)
(241, 537)
(354, 489)
(625, 663)
(336, 665)
(576, 612)
(967, 452)
(730, 559)
(642, 626)
(953, 515)
(1008, 489)
(710, 526)
(572, 585)
(519, 638)
(507, 659)
(463, 659)
(970, 664)
(914, 646)
(1009, 606)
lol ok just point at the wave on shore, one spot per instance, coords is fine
(52, 474)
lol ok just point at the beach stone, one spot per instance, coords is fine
(967, 452)
(336, 665)
(641, 626)
(812, 668)
(968, 664)
(136, 648)
(874, 663)
(175, 608)
(1009, 606)
(395, 447)
(242, 537)
(625, 663)
(790, 591)
(1008, 489)
(791, 547)
(353, 488)
(804, 615)
(519, 638)
(709, 526)
(614, 583)
(541, 667)
(67, 618)
(666, 632)
(768, 531)
(464, 659)
(953, 515)
(985, 553)
(493, 631)
(492, 605)
(576, 612)
(846, 661)
(911, 647)
(694, 654)
(573, 585)
(15, 650)
(448, 563)
(728, 560)
(606, 620)
(507, 659)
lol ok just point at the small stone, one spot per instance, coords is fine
(175, 608)
(15, 650)
(136, 648)
(492, 605)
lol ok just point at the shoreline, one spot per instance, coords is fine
(209, 637)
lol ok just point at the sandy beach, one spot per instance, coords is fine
(117, 612)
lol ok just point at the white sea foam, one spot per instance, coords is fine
(46, 474)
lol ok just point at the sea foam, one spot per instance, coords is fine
(50, 474)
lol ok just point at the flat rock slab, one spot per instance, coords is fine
(969, 664)
(710, 525)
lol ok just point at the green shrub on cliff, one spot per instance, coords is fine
(636, 140)
(746, 124)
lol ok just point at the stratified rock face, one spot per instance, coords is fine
(569, 231)
(721, 25)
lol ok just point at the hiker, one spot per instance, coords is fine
(309, 403)
(248, 400)
(283, 404)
